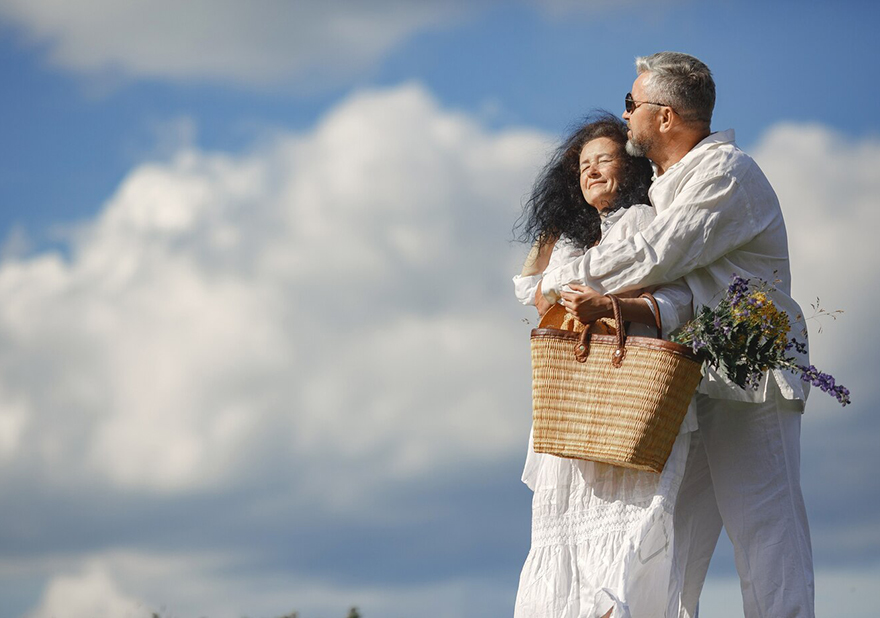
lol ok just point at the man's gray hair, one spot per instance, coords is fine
(681, 82)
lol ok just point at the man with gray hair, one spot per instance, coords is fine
(717, 216)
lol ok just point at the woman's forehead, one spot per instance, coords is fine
(599, 146)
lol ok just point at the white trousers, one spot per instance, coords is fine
(743, 471)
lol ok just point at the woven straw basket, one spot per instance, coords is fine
(608, 397)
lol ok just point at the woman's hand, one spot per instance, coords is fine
(586, 304)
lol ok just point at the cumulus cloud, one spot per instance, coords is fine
(827, 190)
(286, 337)
(254, 43)
(306, 358)
(89, 593)
(317, 298)
(263, 44)
(827, 186)
(221, 586)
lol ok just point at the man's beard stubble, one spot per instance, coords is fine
(637, 148)
(638, 145)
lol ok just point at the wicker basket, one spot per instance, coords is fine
(608, 397)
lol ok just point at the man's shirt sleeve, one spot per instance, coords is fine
(708, 219)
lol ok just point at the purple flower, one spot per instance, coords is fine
(737, 289)
(825, 382)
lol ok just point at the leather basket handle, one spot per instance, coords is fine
(654, 304)
(582, 350)
(620, 353)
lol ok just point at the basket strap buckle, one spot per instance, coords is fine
(582, 349)
(618, 355)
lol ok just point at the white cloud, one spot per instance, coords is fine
(318, 298)
(827, 186)
(91, 593)
(201, 584)
(299, 332)
(306, 45)
(259, 43)
(13, 420)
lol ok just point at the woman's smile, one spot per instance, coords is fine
(600, 172)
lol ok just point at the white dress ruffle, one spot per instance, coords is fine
(601, 539)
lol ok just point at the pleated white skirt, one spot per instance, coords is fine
(602, 538)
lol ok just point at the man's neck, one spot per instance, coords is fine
(676, 148)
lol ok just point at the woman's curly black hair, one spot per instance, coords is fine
(557, 206)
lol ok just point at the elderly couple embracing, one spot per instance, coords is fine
(661, 202)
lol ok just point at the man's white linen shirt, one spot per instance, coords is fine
(716, 215)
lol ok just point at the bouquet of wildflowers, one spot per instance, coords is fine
(746, 334)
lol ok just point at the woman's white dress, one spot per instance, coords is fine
(602, 534)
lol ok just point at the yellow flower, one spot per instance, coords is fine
(758, 312)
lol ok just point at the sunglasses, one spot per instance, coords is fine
(632, 105)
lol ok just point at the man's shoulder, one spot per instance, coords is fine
(722, 159)
(726, 163)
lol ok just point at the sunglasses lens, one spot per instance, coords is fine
(629, 104)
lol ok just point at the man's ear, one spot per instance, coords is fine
(666, 118)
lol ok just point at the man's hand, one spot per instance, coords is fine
(540, 302)
(586, 304)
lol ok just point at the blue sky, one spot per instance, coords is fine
(260, 347)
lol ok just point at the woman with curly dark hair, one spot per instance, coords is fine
(558, 206)
(586, 189)
(601, 534)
